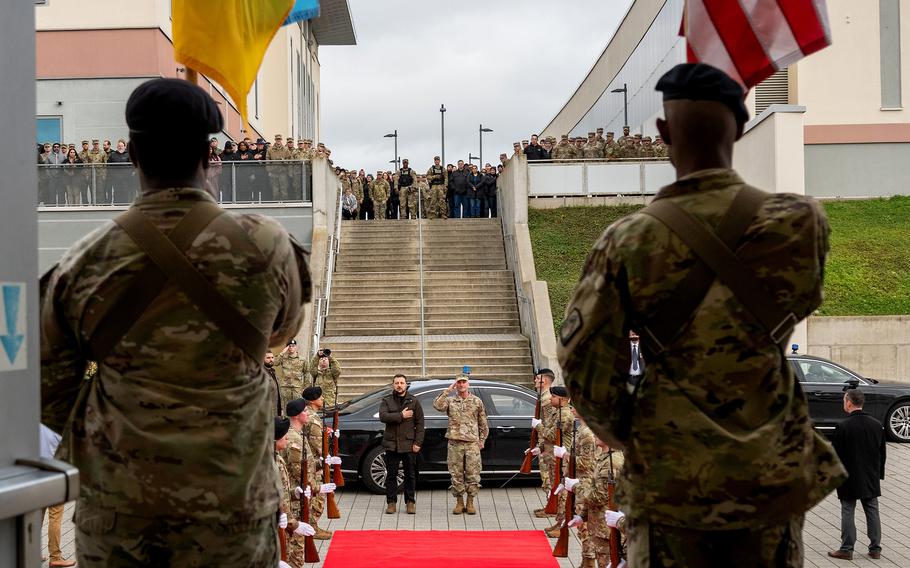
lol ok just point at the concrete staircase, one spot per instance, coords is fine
(471, 311)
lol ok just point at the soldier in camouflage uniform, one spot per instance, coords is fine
(543, 380)
(407, 190)
(95, 160)
(289, 518)
(325, 371)
(312, 435)
(172, 438)
(592, 150)
(721, 454)
(625, 134)
(592, 498)
(610, 147)
(467, 433)
(439, 181)
(293, 456)
(517, 149)
(559, 402)
(292, 369)
(421, 189)
(564, 150)
(379, 190)
(660, 150)
(279, 173)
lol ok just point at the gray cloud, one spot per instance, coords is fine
(508, 65)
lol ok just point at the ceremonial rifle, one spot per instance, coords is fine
(553, 500)
(310, 554)
(529, 457)
(611, 504)
(283, 541)
(337, 476)
(561, 549)
(332, 507)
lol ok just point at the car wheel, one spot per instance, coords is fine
(897, 423)
(373, 473)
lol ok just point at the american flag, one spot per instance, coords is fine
(751, 39)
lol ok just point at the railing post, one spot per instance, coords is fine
(423, 329)
(233, 182)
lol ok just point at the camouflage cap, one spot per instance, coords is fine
(610, 133)
(85, 141)
(591, 134)
(599, 130)
(436, 158)
(565, 137)
(95, 141)
(278, 137)
(525, 142)
(461, 377)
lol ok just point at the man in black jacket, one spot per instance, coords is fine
(403, 418)
(535, 151)
(860, 445)
(458, 181)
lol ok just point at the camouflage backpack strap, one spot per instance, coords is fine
(715, 250)
(174, 265)
(147, 284)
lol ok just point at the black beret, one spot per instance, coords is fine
(324, 352)
(282, 425)
(292, 342)
(172, 107)
(295, 407)
(546, 371)
(701, 82)
(559, 391)
(312, 393)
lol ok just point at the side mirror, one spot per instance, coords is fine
(851, 384)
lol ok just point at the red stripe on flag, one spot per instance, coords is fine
(690, 55)
(736, 32)
(805, 24)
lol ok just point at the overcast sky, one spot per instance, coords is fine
(508, 65)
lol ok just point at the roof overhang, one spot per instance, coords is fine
(334, 25)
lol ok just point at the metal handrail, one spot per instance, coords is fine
(423, 330)
(324, 301)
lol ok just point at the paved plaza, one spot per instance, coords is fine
(511, 509)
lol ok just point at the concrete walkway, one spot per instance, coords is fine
(511, 509)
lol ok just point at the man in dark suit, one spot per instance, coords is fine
(860, 444)
(404, 431)
(637, 362)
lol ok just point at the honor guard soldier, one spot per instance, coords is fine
(722, 461)
(325, 371)
(467, 433)
(172, 438)
(312, 436)
(293, 368)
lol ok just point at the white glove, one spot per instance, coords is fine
(576, 520)
(332, 460)
(304, 529)
(337, 433)
(570, 483)
(535, 423)
(622, 564)
(283, 521)
(283, 564)
(613, 517)
(560, 451)
(306, 492)
(535, 452)
(327, 488)
(559, 488)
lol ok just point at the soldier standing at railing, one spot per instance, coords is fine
(277, 173)
(96, 159)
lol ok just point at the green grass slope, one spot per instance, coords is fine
(868, 270)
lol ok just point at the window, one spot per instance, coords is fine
(889, 13)
(819, 372)
(50, 129)
(426, 402)
(506, 403)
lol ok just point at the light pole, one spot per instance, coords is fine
(395, 136)
(442, 130)
(481, 130)
(625, 103)
(471, 159)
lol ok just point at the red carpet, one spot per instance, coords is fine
(440, 549)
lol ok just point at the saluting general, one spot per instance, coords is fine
(722, 461)
(174, 434)
(467, 433)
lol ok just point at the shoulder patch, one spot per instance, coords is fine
(570, 327)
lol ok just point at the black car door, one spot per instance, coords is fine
(509, 412)
(434, 450)
(824, 385)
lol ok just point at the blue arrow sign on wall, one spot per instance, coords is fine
(12, 341)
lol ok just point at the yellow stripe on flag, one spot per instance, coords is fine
(227, 39)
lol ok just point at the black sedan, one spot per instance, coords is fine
(509, 411)
(824, 382)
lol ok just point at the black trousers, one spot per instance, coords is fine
(392, 459)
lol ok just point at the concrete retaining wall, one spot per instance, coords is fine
(873, 346)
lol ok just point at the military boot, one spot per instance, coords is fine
(553, 532)
(412, 508)
(390, 509)
(542, 513)
(459, 506)
(321, 534)
(469, 506)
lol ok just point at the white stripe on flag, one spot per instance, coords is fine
(705, 41)
(773, 31)
(821, 10)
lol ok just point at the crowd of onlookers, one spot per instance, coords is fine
(595, 147)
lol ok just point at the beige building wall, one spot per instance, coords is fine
(102, 14)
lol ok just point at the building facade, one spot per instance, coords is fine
(856, 129)
(91, 54)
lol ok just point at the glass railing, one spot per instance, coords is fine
(118, 184)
